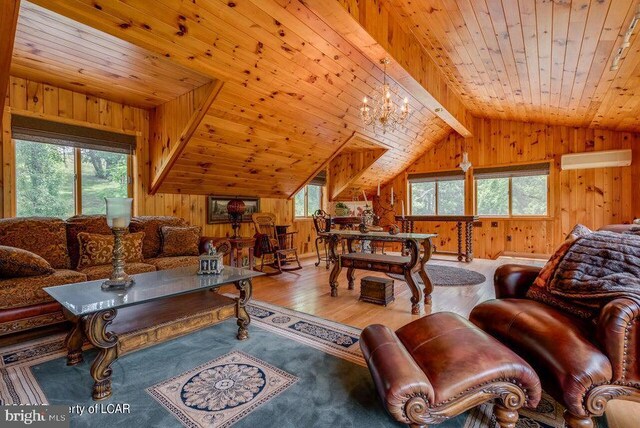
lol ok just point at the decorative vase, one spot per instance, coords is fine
(235, 209)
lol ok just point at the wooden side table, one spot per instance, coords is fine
(238, 246)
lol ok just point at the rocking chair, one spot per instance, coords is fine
(277, 248)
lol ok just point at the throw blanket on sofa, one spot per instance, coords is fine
(595, 269)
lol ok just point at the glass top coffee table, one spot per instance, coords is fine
(160, 305)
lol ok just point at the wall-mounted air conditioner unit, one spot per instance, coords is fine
(601, 159)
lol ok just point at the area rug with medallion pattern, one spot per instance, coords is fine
(295, 370)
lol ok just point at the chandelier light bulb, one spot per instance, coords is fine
(365, 100)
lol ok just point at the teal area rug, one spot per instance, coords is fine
(295, 370)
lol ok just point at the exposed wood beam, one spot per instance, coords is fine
(324, 164)
(9, 10)
(378, 33)
(211, 92)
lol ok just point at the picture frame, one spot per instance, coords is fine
(217, 208)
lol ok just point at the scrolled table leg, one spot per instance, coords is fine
(427, 248)
(337, 266)
(74, 341)
(96, 331)
(351, 278)
(246, 290)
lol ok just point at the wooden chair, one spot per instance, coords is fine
(278, 248)
(322, 223)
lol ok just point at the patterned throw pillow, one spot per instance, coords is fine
(18, 263)
(97, 250)
(180, 241)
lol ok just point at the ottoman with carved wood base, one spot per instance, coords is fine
(441, 365)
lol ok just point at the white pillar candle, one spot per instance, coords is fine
(365, 197)
(120, 222)
(403, 210)
(391, 195)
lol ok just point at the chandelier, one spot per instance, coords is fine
(382, 111)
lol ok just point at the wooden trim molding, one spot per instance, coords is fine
(9, 10)
(212, 92)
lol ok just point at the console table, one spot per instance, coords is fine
(407, 266)
(159, 306)
(468, 220)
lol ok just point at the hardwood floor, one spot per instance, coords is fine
(307, 290)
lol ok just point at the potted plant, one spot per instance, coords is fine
(342, 209)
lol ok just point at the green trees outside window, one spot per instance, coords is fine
(437, 197)
(47, 181)
(512, 196)
(308, 200)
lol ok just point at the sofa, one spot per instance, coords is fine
(582, 363)
(25, 305)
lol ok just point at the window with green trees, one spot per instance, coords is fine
(308, 200)
(60, 181)
(440, 193)
(512, 191)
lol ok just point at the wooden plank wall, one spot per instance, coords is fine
(54, 103)
(594, 197)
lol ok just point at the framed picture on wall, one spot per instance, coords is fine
(217, 208)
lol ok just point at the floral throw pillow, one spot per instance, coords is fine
(180, 241)
(97, 250)
(19, 263)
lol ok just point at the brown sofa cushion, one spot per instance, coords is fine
(150, 225)
(104, 271)
(96, 250)
(83, 223)
(164, 263)
(44, 236)
(20, 292)
(17, 263)
(180, 241)
(557, 345)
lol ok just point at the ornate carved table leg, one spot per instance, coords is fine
(96, 330)
(337, 266)
(427, 248)
(74, 341)
(459, 224)
(469, 239)
(246, 289)
(409, 270)
(351, 278)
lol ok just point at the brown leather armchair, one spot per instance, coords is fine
(582, 364)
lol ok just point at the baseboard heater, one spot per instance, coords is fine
(600, 159)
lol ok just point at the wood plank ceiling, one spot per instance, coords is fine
(534, 60)
(291, 94)
(53, 49)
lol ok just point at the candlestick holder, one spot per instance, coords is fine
(118, 219)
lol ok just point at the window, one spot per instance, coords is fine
(512, 191)
(61, 174)
(308, 200)
(437, 193)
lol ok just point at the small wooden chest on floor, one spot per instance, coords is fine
(376, 290)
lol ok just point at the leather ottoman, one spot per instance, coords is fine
(441, 365)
